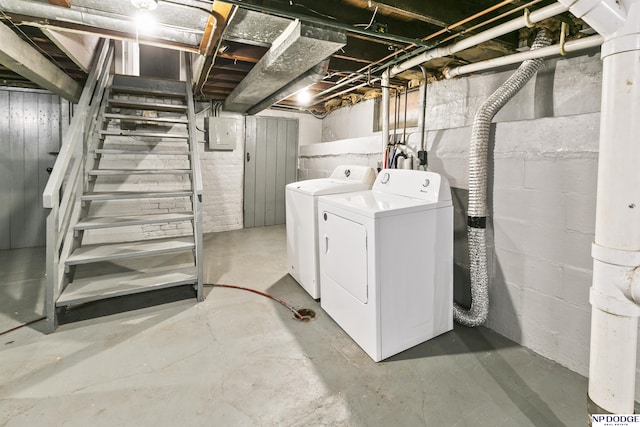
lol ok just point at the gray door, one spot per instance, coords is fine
(160, 63)
(270, 164)
(29, 132)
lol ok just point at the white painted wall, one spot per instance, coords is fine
(223, 181)
(352, 122)
(223, 172)
(542, 198)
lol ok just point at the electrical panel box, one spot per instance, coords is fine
(222, 133)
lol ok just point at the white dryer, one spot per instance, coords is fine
(301, 217)
(386, 261)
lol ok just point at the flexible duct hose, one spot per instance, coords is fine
(477, 220)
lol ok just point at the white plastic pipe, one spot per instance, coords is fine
(385, 116)
(616, 250)
(572, 46)
(497, 31)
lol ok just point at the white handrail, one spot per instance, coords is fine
(75, 132)
(63, 190)
(196, 178)
(195, 155)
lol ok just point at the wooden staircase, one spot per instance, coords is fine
(133, 224)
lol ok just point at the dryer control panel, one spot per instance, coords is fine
(423, 185)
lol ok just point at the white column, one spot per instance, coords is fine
(616, 251)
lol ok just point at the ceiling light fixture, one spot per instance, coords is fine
(145, 4)
(304, 97)
(145, 22)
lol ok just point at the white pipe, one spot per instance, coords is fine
(604, 16)
(385, 115)
(422, 118)
(490, 34)
(572, 46)
(616, 250)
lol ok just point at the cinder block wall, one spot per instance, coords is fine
(542, 191)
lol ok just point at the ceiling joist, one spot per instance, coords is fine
(21, 58)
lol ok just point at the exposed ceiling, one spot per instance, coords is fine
(336, 48)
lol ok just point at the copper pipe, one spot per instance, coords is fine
(439, 32)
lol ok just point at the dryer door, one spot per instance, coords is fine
(345, 245)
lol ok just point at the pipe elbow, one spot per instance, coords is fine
(604, 16)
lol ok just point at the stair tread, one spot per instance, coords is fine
(125, 220)
(146, 91)
(112, 285)
(124, 195)
(149, 85)
(128, 117)
(111, 251)
(147, 134)
(136, 151)
(145, 105)
(113, 172)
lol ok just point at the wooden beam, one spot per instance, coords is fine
(213, 30)
(63, 3)
(220, 14)
(78, 47)
(20, 57)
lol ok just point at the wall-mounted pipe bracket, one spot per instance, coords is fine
(527, 20)
(563, 38)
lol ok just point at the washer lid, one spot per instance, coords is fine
(377, 204)
(321, 186)
(344, 179)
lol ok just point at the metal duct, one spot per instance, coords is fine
(255, 28)
(477, 212)
(74, 17)
(300, 47)
(312, 76)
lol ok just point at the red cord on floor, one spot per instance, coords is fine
(22, 325)
(295, 312)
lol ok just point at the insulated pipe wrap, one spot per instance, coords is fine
(479, 310)
(477, 210)
(482, 125)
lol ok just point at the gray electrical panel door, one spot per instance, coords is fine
(29, 140)
(270, 164)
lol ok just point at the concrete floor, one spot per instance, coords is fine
(239, 359)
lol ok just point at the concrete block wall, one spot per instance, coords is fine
(319, 160)
(542, 195)
(355, 124)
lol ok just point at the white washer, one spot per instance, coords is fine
(386, 261)
(301, 216)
